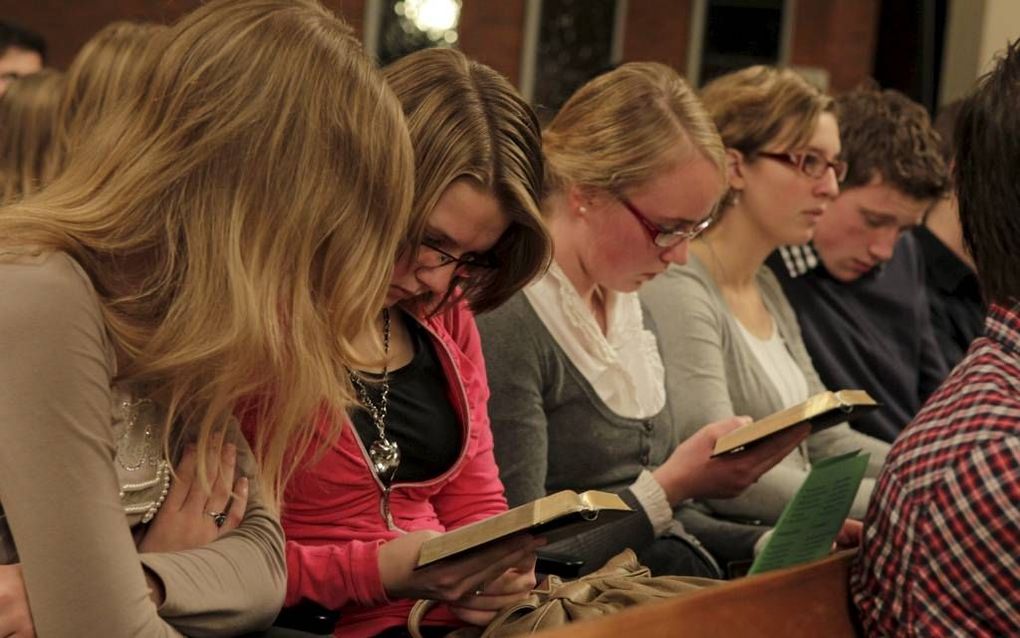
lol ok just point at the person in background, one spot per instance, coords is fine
(22, 52)
(28, 120)
(942, 535)
(730, 340)
(579, 390)
(858, 286)
(416, 459)
(169, 271)
(957, 309)
(102, 75)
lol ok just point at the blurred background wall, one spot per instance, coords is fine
(933, 50)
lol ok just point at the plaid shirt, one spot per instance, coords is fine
(941, 551)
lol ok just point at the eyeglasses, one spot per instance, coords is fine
(666, 237)
(811, 164)
(467, 265)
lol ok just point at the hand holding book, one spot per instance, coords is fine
(691, 472)
(453, 579)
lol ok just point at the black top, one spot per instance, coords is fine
(873, 334)
(954, 296)
(420, 418)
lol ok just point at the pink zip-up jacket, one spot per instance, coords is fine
(333, 513)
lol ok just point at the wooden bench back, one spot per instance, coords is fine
(808, 600)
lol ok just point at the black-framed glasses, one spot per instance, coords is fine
(811, 164)
(466, 265)
(666, 237)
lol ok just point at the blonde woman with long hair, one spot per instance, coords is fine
(104, 73)
(417, 458)
(579, 394)
(28, 118)
(730, 339)
(227, 231)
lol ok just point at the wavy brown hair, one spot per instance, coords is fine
(28, 119)
(467, 120)
(239, 218)
(888, 135)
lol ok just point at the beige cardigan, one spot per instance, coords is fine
(62, 516)
(712, 374)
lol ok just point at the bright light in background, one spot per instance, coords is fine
(437, 18)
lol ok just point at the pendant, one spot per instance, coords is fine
(385, 455)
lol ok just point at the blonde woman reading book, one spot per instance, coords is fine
(730, 340)
(416, 460)
(579, 390)
(228, 228)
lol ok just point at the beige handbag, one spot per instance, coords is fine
(620, 583)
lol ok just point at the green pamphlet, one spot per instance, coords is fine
(811, 521)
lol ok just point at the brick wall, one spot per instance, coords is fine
(837, 35)
(68, 25)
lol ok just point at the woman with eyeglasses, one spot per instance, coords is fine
(417, 459)
(730, 340)
(634, 168)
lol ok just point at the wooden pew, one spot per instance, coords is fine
(808, 600)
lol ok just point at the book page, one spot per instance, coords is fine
(814, 516)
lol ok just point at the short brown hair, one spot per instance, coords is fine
(467, 120)
(886, 134)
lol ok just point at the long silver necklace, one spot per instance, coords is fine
(383, 452)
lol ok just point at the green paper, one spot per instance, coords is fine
(811, 521)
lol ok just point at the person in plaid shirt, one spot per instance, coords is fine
(941, 549)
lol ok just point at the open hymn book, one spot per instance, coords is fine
(554, 517)
(823, 410)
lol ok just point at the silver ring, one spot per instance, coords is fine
(218, 517)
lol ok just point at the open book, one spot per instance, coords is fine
(554, 517)
(822, 411)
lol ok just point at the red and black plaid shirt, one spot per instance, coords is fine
(941, 552)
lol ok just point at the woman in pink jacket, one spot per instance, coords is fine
(417, 460)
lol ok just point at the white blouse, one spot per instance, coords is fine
(623, 366)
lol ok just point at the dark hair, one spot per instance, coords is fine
(988, 153)
(885, 133)
(12, 35)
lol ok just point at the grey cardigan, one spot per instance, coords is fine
(712, 374)
(553, 432)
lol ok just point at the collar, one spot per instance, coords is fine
(1003, 326)
(945, 271)
(804, 259)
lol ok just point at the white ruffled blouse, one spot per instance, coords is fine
(623, 366)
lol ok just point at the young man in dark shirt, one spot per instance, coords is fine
(954, 295)
(858, 288)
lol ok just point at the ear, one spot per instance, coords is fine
(735, 169)
(581, 199)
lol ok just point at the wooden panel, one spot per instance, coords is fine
(839, 36)
(801, 602)
(658, 30)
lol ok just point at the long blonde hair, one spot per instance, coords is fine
(239, 219)
(624, 127)
(467, 120)
(28, 117)
(105, 72)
